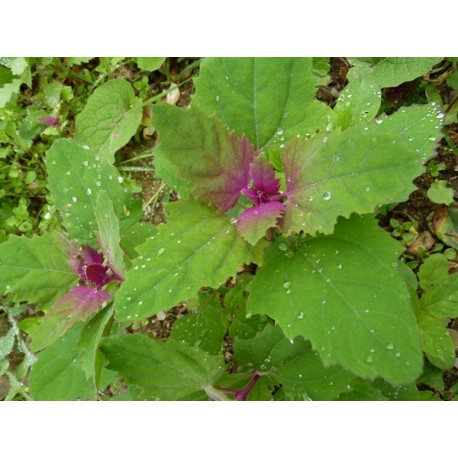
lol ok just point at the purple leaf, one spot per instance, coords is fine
(49, 120)
(253, 222)
(263, 175)
(215, 161)
(80, 302)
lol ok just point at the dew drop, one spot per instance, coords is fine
(440, 115)
(160, 251)
(140, 302)
(282, 246)
(390, 346)
(379, 121)
(279, 131)
(339, 266)
(432, 138)
(370, 359)
(74, 199)
(300, 315)
(287, 285)
(88, 191)
(397, 354)
(327, 195)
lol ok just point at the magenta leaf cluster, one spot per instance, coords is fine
(88, 263)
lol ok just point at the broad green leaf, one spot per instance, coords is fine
(205, 328)
(215, 161)
(291, 363)
(440, 193)
(321, 68)
(110, 118)
(437, 342)
(442, 300)
(359, 101)
(8, 90)
(343, 292)
(89, 342)
(433, 271)
(269, 100)
(392, 71)
(198, 247)
(150, 63)
(74, 177)
(417, 128)
(108, 231)
(58, 375)
(16, 64)
(337, 173)
(167, 371)
(35, 270)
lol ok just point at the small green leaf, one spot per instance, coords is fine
(7, 343)
(108, 233)
(167, 371)
(150, 63)
(440, 193)
(110, 118)
(437, 343)
(356, 314)
(269, 100)
(392, 71)
(446, 225)
(433, 271)
(74, 177)
(198, 247)
(291, 363)
(58, 375)
(205, 328)
(35, 270)
(8, 90)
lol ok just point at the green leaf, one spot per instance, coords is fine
(8, 90)
(110, 118)
(442, 300)
(7, 343)
(363, 390)
(108, 233)
(205, 328)
(35, 270)
(356, 314)
(90, 339)
(16, 64)
(169, 173)
(439, 193)
(392, 71)
(150, 63)
(338, 173)
(164, 371)
(269, 100)
(74, 177)
(433, 271)
(437, 343)
(215, 161)
(136, 235)
(58, 375)
(446, 225)
(291, 363)
(198, 247)
(359, 101)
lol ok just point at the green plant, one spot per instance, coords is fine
(273, 244)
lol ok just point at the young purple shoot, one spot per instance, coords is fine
(52, 121)
(264, 192)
